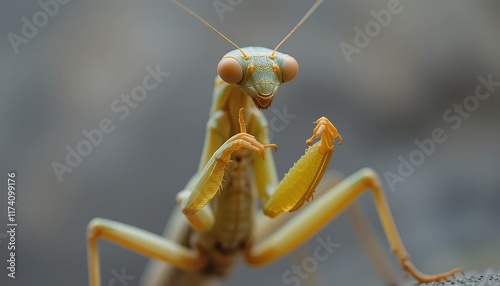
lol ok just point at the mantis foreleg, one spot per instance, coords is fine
(208, 181)
(300, 182)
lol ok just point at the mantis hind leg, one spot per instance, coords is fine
(371, 246)
(369, 242)
(267, 225)
(320, 212)
(140, 241)
(159, 273)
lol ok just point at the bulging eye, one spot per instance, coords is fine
(230, 70)
(290, 69)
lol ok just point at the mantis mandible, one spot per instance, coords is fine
(216, 218)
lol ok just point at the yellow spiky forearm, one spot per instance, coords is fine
(207, 186)
(300, 182)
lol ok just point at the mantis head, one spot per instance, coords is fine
(259, 72)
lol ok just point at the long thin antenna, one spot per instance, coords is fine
(311, 10)
(208, 25)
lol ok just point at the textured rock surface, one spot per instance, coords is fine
(489, 277)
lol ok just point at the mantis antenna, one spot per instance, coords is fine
(208, 25)
(311, 10)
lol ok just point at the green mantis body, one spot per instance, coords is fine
(218, 217)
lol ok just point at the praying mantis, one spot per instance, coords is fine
(216, 219)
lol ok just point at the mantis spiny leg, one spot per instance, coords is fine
(301, 181)
(209, 180)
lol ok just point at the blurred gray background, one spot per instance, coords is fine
(64, 79)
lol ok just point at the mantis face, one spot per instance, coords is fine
(258, 73)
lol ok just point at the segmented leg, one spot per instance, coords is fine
(140, 241)
(159, 273)
(320, 212)
(267, 225)
(363, 231)
(372, 246)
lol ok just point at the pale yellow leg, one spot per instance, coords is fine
(267, 225)
(372, 246)
(368, 241)
(140, 241)
(320, 212)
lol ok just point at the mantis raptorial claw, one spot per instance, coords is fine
(243, 129)
(328, 133)
(272, 145)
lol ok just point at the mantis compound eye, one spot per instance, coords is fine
(229, 70)
(290, 69)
